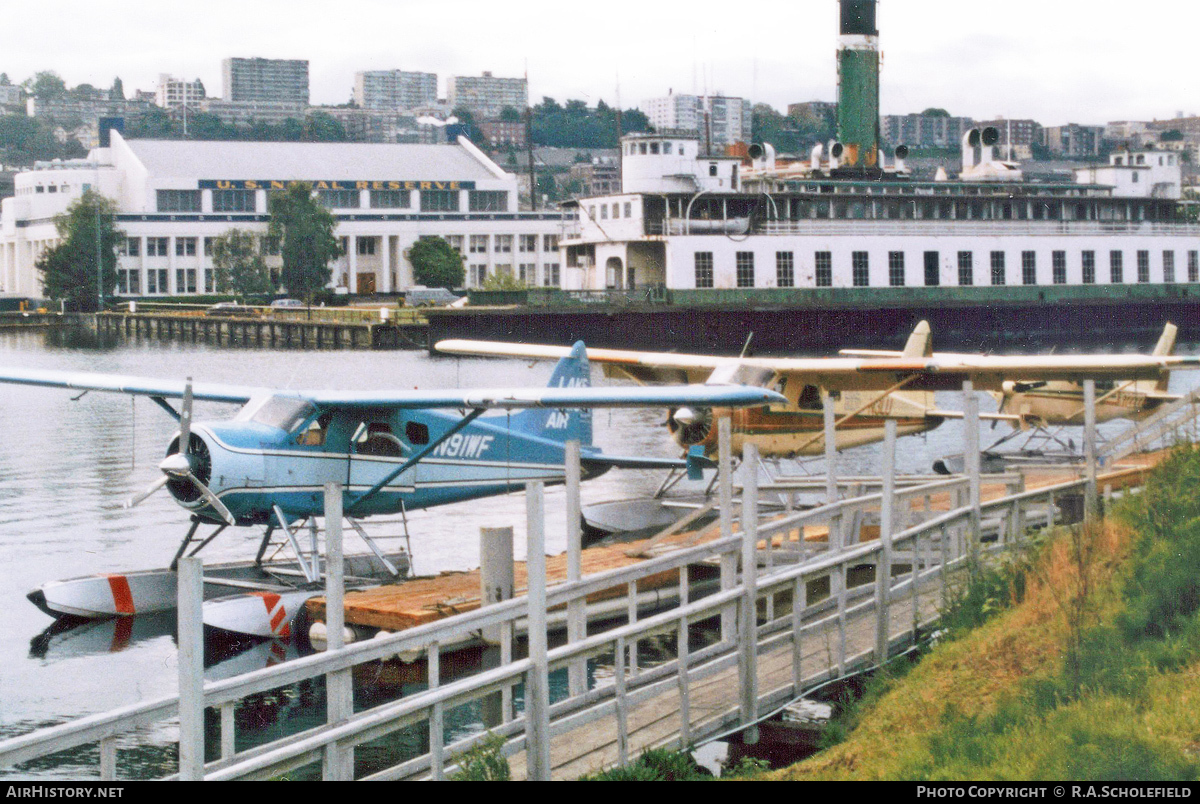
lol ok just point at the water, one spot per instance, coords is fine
(67, 465)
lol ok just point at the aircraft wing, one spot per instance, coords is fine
(504, 398)
(583, 397)
(137, 386)
(938, 372)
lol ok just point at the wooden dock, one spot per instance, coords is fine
(274, 332)
(418, 601)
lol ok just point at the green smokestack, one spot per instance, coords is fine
(858, 85)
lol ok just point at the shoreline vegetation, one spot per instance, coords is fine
(1077, 657)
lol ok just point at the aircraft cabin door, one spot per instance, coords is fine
(375, 452)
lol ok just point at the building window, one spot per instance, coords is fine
(365, 246)
(998, 277)
(185, 247)
(456, 242)
(1143, 266)
(860, 269)
(156, 280)
(1058, 261)
(785, 269)
(604, 212)
(745, 269)
(156, 246)
(133, 246)
(824, 265)
(479, 244)
(339, 199)
(178, 200)
(487, 200)
(549, 242)
(966, 268)
(527, 273)
(1116, 267)
(704, 269)
(233, 200)
(527, 244)
(1168, 267)
(1029, 267)
(896, 269)
(185, 280)
(439, 200)
(1089, 267)
(478, 274)
(932, 269)
(504, 244)
(390, 199)
(1194, 266)
(129, 282)
(209, 284)
(628, 209)
(550, 276)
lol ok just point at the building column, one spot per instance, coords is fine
(173, 289)
(386, 284)
(352, 263)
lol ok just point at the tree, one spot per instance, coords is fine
(82, 268)
(118, 90)
(46, 85)
(305, 232)
(934, 111)
(436, 263)
(510, 115)
(238, 267)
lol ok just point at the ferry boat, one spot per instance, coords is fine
(849, 216)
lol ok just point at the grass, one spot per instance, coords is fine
(1077, 660)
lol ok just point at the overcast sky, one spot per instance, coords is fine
(1057, 61)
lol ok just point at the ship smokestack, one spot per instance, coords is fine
(858, 86)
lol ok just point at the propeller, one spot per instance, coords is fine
(690, 425)
(180, 467)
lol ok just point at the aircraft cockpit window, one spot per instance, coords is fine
(314, 434)
(376, 438)
(283, 412)
(416, 433)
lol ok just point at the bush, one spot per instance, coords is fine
(484, 763)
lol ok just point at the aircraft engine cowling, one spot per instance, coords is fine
(689, 426)
(200, 460)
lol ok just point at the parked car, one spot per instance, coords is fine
(287, 304)
(229, 309)
(421, 296)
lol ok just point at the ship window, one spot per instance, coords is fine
(966, 270)
(998, 277)
(712, 169)
(860, 268)
(1059, 264)
(642, 148)
(1029, 267)
(824, 262)
(1116, 267)
(1143, 266)
(654, 148)
(1168, 266)
(932, 279)
(704, 269)
(666, 147)
(785, 270)
(896, 268)
(745, 269)
(1194, 266)
(1089, 267)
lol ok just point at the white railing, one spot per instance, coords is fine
(933, 550)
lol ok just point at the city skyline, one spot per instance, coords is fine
(1058, 63)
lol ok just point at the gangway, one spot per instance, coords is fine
(1169, 424)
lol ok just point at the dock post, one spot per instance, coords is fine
(883, 558)
(576, 612)
(338, 763)
(831, 485)
(725, 497)
(1091, 503)
(748, 625)
(496, 580)
(537, 686)
(971, 459)
(190, 580)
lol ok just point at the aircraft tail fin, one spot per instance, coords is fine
(1164, 348)
(920, 342)
(567, 424)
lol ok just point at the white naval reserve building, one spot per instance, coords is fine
(174, 197)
